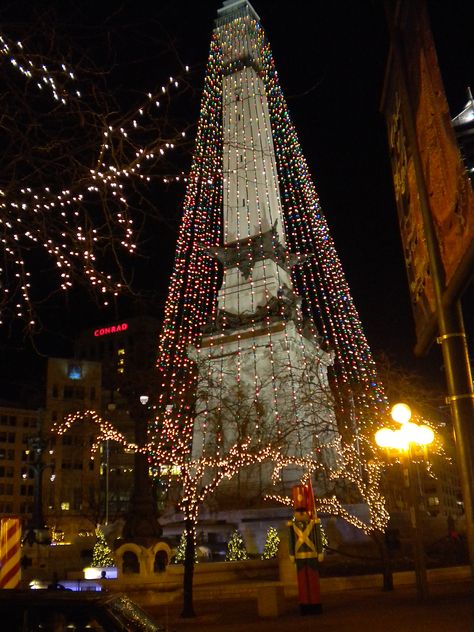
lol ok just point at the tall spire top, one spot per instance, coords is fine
(232, 9)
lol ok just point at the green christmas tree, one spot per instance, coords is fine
(101, 554)
(180, 553)
(236, 550)
(272, 543)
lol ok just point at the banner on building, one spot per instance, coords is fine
(426, 166)
(10, 552)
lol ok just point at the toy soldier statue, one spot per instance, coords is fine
(306, 549)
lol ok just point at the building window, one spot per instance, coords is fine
(74, 372)
(77, 498)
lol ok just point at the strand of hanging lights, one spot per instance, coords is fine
(69, 169)
(202, 476)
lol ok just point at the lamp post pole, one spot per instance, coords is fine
(411, 477)
(403, 440)
(141, 522)
(107, 453)
(111, 407)
(37, 530)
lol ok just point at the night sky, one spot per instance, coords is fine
(330, 59)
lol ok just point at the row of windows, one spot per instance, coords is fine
(107, 347)
(74, 392)
(7, 508)
(12, 421)
(7, 437)
(8, 420)
(11, 437)
(67, 465)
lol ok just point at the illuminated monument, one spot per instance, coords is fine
(259, 318)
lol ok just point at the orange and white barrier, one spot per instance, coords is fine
(10, 551)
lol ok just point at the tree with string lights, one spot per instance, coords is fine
(75, 171)
(272, 542)
(236, 551)
(101, 553)
(202, 477)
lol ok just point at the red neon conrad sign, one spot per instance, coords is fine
(113, 329)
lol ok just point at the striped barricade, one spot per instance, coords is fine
(10, 551)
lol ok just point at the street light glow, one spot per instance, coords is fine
(425, 435)
(407, 434)
(401, 413)
(383, 438)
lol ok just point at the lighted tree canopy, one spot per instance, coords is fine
(78, 159)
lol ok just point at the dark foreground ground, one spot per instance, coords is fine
(450, 608)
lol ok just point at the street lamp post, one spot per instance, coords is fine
(141, 522)
(37, 531)
(111, 408)
(404, 440)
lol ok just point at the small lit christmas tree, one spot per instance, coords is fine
(180, 553)
(101, 554)
(236, 550)
(272, 543)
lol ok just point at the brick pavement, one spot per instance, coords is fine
(450, 608)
